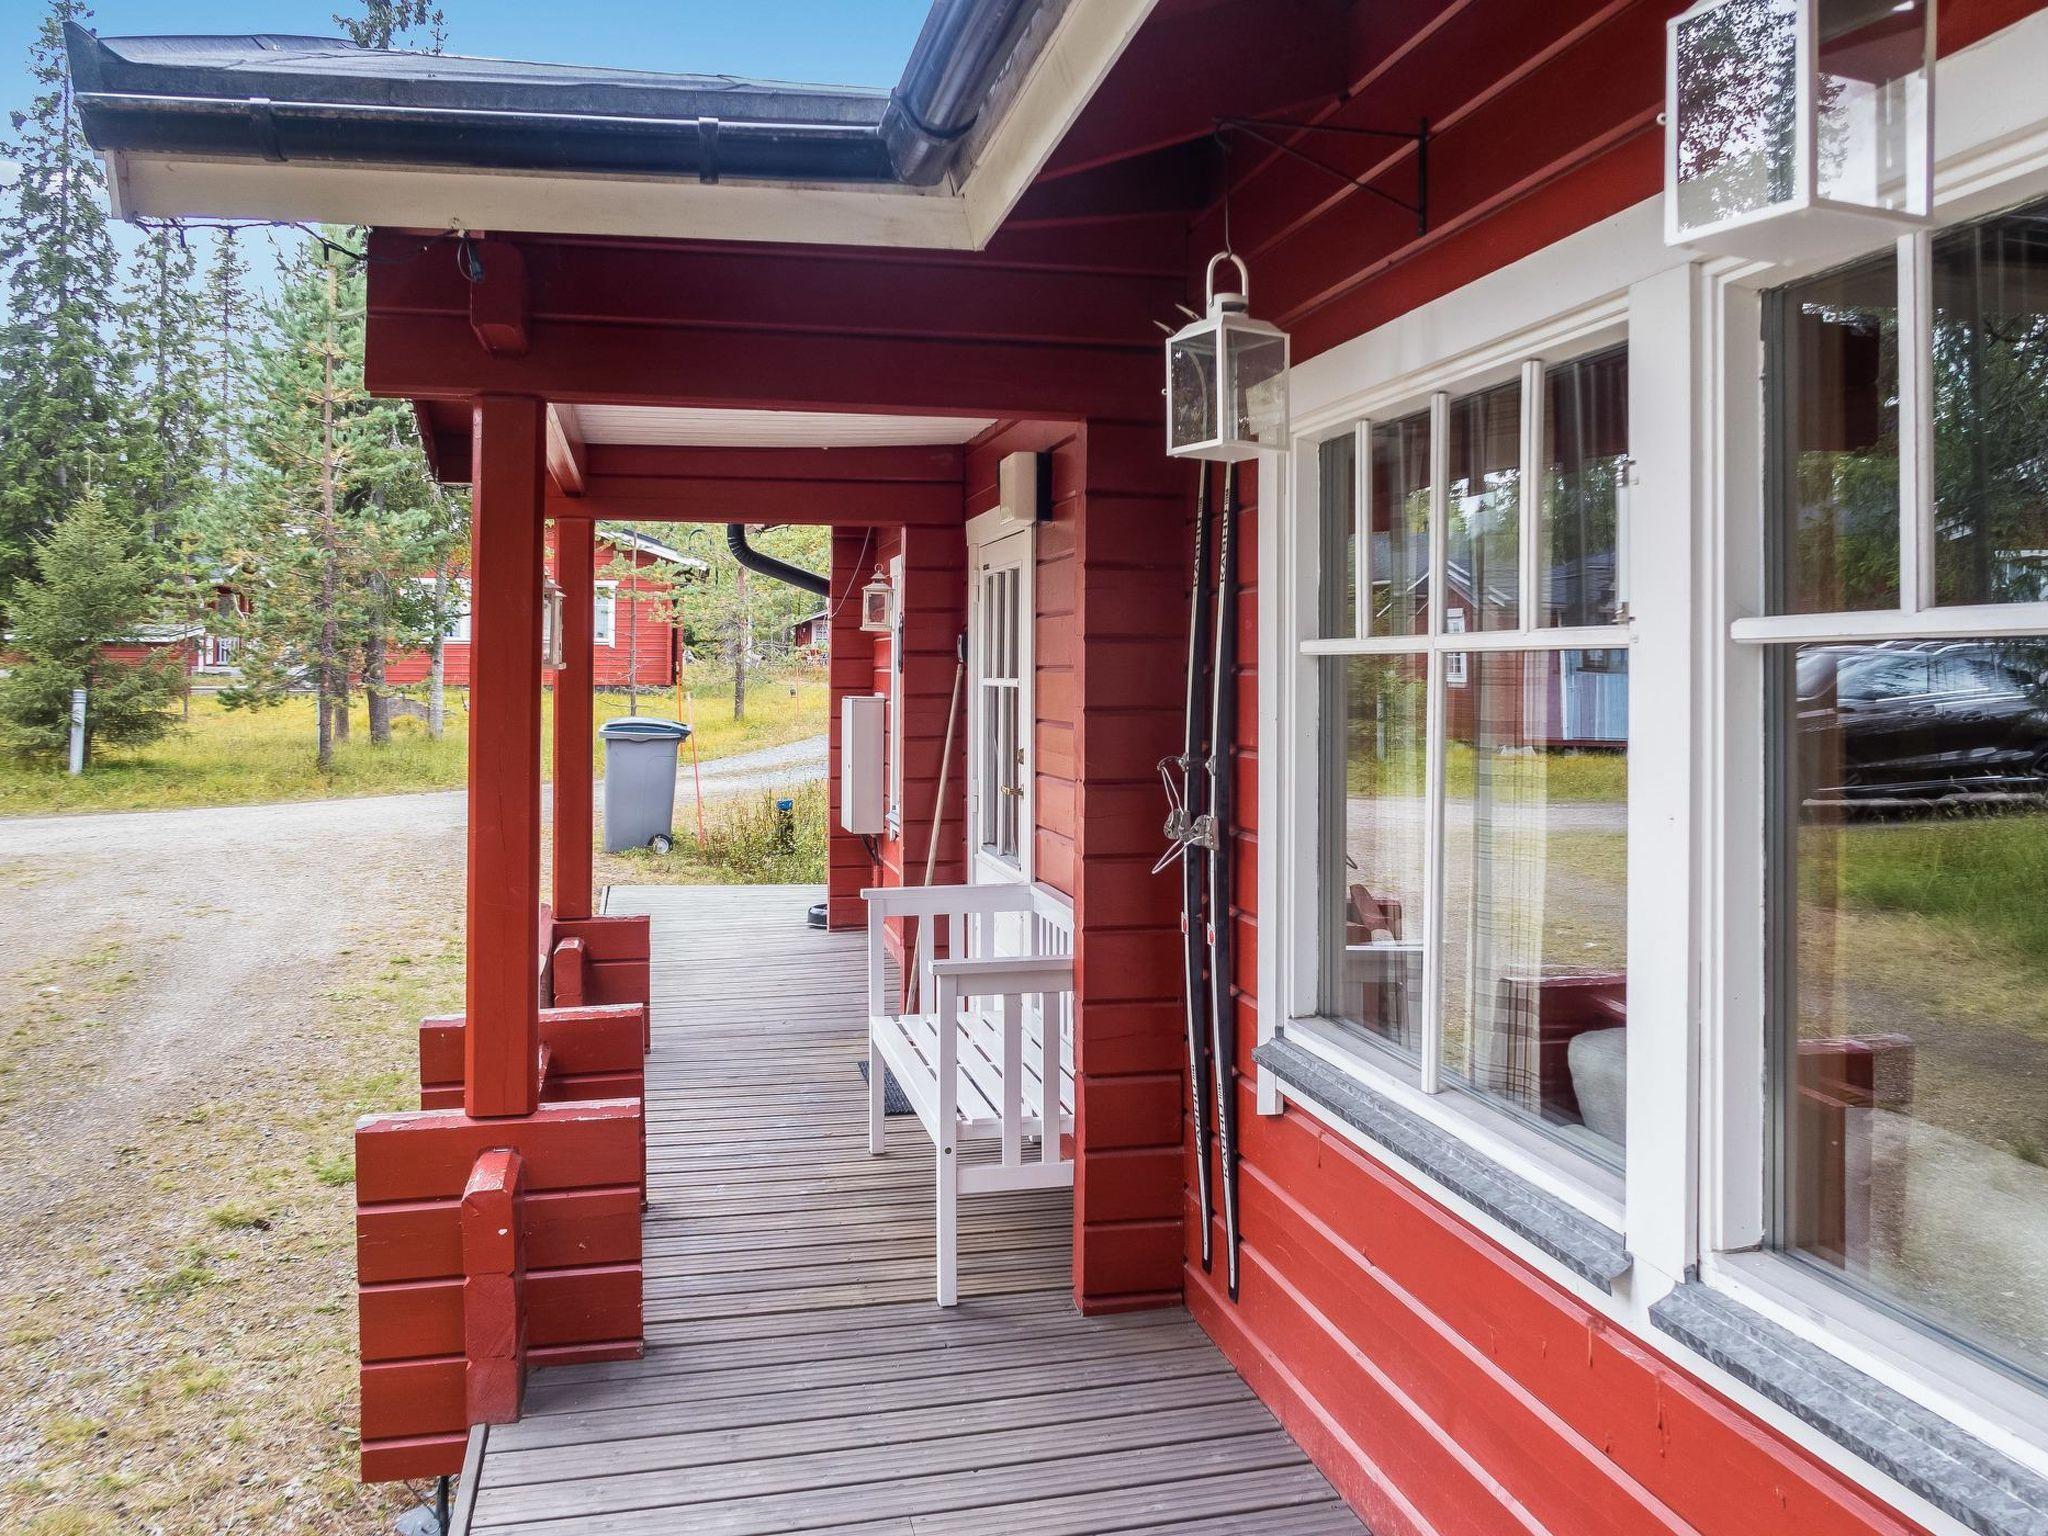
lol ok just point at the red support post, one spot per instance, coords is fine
(575, 557)
(501, 1070)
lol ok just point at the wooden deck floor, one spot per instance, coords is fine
(799, 1376)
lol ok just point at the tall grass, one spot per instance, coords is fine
(1985, 874)
(247, 757)
(747, 841)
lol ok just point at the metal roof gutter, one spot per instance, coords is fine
(287, 99)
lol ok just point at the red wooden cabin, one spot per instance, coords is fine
(634, 635)
(1561, 1231)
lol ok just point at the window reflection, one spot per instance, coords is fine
(1536, 887)
(1585, 437)
(1833, 385)
(1400, 526)
(1372, 883)
(1484, 498)
(1911, 962)
(1991, 410)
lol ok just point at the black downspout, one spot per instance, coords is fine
(767, 565)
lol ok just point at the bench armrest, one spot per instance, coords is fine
(999, 975)
(939, 900)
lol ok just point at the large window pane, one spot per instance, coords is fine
(1484, 501)
(1400, 526)
(1337, 501)
(1536, 887)
(1374, 837)
(1585, 459)
(1991, 410)
(1832, 383)
(1910, 977)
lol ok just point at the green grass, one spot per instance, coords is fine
(1981, 875)
(243, 757)
(1557, 776)
(745, 844)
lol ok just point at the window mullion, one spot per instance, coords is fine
(1431, 1044)
(1531, 509)
(1916, 422)
(1433, 757)
(1361, 527)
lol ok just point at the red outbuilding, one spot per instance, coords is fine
(1631, 1023)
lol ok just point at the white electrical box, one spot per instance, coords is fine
(1024, 489)
(863, 768)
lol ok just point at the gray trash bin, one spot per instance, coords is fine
(639, 780)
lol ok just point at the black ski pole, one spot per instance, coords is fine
(1222, 1011)
(1181, 827)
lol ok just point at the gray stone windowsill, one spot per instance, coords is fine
(1589, 1249)
(1952, 1470)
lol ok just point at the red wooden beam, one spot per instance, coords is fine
(566, 453)
(497, 296)
(574, 560)
(502, 1044)
(434, 357)
(493, 1286)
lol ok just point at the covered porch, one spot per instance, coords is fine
(797, 1376)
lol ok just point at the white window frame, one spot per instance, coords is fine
(1419, 1085)
(457, 632)
(604, 613)
(895, 707)
(1736, 1174)
(1696, 1108)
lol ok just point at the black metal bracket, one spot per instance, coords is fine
(1266, 129)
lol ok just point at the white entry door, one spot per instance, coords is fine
(1000, 611)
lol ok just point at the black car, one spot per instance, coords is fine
(1920, 721)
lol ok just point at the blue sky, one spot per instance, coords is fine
(839, 42)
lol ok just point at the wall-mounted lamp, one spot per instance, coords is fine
(1792, 127)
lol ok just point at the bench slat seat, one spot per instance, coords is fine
(982, 1046)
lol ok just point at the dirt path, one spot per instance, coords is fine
(193, 1006)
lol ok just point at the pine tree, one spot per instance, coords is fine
(384, 23)
(62, 374)
(229, 313)
(173, 448)
(90, 587)
(332, 515)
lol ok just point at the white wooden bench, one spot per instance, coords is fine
(985, 1051)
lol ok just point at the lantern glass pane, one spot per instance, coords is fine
(1258, 393)
(1872, 145)
(1736, 110)
(1191, 382)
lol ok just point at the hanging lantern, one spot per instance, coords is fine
(1796, 128)
(1226, 379)
(878, 604)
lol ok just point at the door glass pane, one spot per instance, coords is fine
(1910, 979)
(1400, 526)
(1484, 503)
(1536, 888)
(1832, 385)
(1991, 410)
(1373, 836)
(1337, 499)
(1585, 454)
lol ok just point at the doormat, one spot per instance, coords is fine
(893, 1102)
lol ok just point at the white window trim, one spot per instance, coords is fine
(894, 819)
(1578, 1180)
(1991, 155)
(985, 531)
(1696, 1112)
(458, 589)
(605, 592)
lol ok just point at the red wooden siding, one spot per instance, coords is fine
(1440, 1382)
